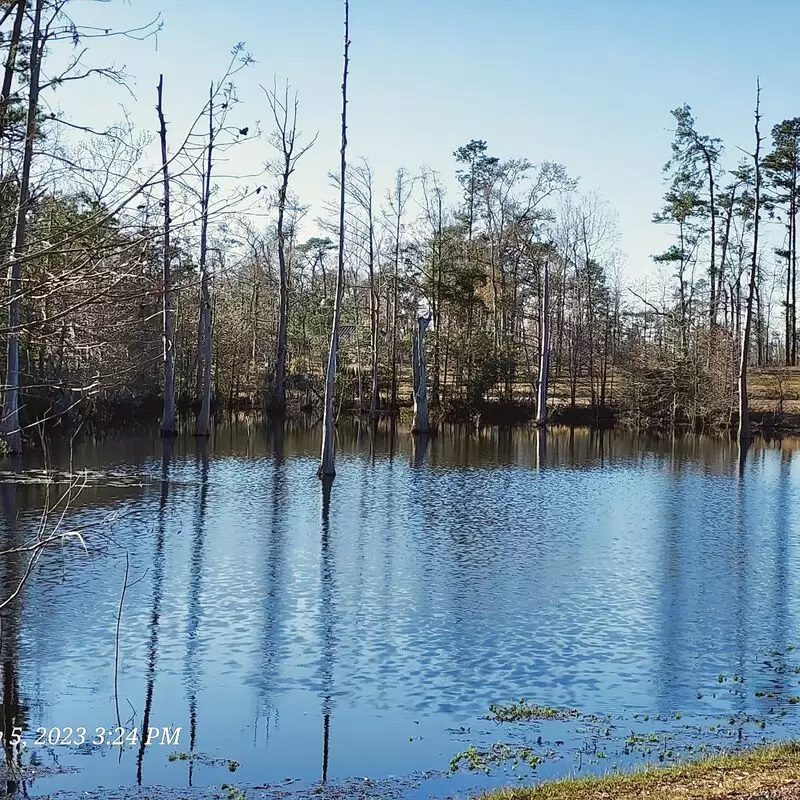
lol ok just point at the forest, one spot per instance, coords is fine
(144, 279)
(548, 568)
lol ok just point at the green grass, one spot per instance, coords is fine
(744, 774)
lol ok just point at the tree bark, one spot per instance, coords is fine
(168, 321)
(10, 421)
(327, 467)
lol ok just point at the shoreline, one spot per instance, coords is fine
(766, 772)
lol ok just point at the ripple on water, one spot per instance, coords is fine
(426, 594)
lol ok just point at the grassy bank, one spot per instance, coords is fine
(767, 773)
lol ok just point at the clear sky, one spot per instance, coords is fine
(589, 83)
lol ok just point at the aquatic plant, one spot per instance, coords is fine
(499, 754)
(203, 758)
(523, 712)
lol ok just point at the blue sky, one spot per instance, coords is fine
(587, 83)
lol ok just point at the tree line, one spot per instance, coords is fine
(140, 277)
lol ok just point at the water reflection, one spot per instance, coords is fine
(274, 566)
(327, 624)
(155, 614)
(192, 672)
(14, 714)
(419, 449)
(603, 570)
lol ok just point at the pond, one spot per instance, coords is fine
(635, 599)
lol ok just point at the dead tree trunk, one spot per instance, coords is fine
(374, 313)
(204, 355)
(420, 423)
(544, 350)
(168, 321)
(278, 404)
(10, 421)
(327, 468)
(745, 431)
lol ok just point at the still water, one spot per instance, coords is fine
(293, 637)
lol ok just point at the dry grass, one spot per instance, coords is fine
(775, 389)
(772, 389)
(767, 773)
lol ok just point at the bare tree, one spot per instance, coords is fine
(745, 432)
(360, 190)
(204, 344)
(327, 468)
(284, 139)
(397, 204)
(168, 322)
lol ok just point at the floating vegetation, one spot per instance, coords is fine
(499, 754)
(524, 712)
(203, 758)
(626, 740)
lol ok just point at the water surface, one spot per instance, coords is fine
(649, 583)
